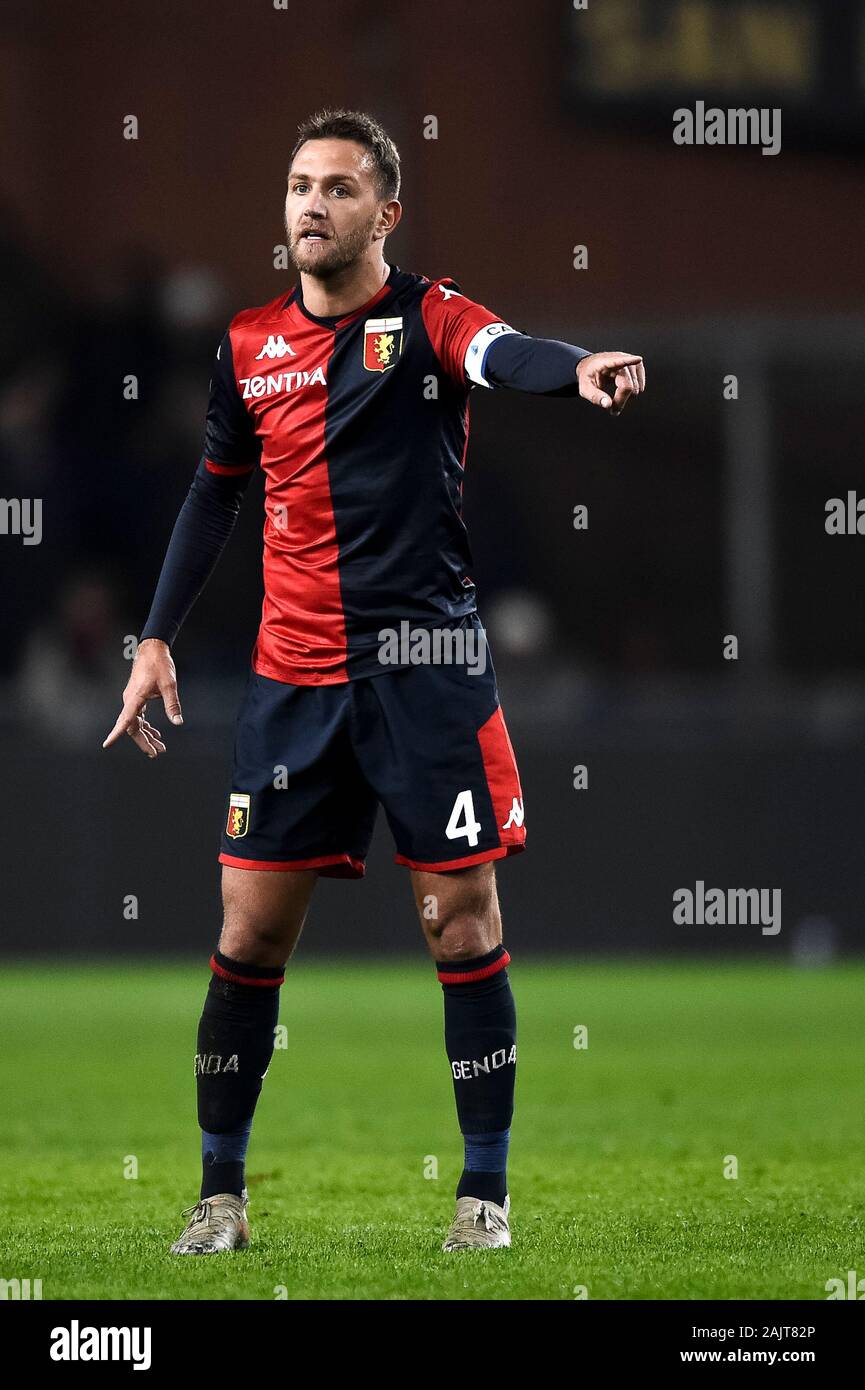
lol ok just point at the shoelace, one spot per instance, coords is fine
(206, 1216)
(200, 1212)
(491, 1219)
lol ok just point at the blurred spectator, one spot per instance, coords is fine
(73, 664)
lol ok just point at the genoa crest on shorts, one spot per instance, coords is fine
(238, 815)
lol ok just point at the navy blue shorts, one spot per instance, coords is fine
(313, 763)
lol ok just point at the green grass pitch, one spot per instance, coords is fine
(618, 1150)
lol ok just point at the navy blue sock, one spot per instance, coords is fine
(235, 1045)
(485, 1167)
(480, 1038)
(223, 1161)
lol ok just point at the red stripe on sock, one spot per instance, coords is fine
(467, 977)
(242, 979)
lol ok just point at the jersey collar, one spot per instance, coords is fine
(340, 320)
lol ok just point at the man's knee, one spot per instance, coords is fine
(464, 920)
(264, 913)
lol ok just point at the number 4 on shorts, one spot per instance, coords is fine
(463, 806)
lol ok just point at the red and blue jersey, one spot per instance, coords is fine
(360, 423)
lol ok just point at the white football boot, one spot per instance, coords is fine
(479, 1225)
(216, 1223)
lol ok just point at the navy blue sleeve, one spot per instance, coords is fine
(207, 517)
(229, 434)
(203, 526)
(541, 366)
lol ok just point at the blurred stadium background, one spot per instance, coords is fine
(706, 516)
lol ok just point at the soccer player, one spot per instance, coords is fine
(370, 680)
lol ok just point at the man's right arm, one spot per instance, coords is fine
(202, 529)
(201, 532)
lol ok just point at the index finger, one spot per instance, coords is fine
(125, 720)
(620, 359)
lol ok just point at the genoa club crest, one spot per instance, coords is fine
(238, 815)
(382, 343)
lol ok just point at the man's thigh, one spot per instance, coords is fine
(263, 913)
(433, 744)
(298, 798)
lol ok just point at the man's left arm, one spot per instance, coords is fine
(478, 348)
(548, 367)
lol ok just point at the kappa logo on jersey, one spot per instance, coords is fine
(238, 815)
(382, 343)
(276, 347)
(254, 386)
(516, 816)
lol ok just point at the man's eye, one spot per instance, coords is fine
(341, 189)
(299, 188)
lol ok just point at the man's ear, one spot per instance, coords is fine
(389, 216)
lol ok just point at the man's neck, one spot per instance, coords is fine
(345, 291)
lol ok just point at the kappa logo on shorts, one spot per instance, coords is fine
(382, 343)
(516, 815)
(238, 815)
